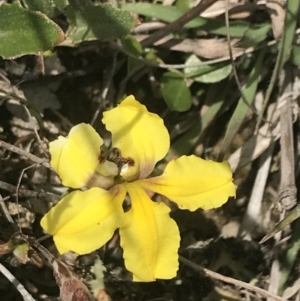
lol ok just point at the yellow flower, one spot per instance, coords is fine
(85, 220)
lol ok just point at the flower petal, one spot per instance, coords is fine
(76, 158)
(139, 135)
(194, 183)
(149, 238)
(83, 221)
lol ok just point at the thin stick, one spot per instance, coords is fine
(230, 280)
(276, 266)
(18, 188)
(179, 23)
(34, 243)
(204, 63)
(50, 197)
(26, 296)
(34, 129)
(235, 74)
(25, 154)
(6, 212)
(288, 190)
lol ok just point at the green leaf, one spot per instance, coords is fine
(242, 107)
(183, 5)
(175, 92)
(152, 57)
(21, 252)
(184, 144)
(207, 73)
(255, 35)
(103, 22)
(132, 45)
(290, 25)
(26, 32)
(171, 13)
(47, 7)
(51, 8)
(292, 216)
(60, 4)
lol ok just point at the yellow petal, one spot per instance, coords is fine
(139, 135)
(194, 183)
(76, 158)
(149, 238)
(83, 221)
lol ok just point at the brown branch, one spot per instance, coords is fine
(288, 190)
(6, 213)
(49, 197)
(25, 154)
(179, 23)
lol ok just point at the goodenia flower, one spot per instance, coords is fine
(86, 219)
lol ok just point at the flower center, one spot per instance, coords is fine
(114, 155)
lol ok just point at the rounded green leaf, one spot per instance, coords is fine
(46, 6)
(207, 73)
(51, 8)
(132, 45)
(26, 32)
(102, 22)
(257, 34)
(175, 92)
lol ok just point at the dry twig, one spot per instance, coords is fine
(26, 296)
(24, 153)
(230, 280)
(288, 189)
(6, 213)
(179, 23)
(49, 197)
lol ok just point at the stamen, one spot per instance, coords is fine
(116, 157)
(101, 157)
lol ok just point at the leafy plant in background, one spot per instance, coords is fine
(29, 28)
